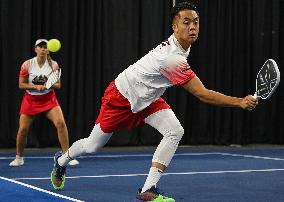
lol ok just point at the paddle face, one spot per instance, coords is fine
(267, 79)
(53, 78)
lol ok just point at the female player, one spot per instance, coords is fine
(37, 99)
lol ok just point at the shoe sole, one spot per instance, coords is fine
(54, 186)
(16, 165)
(73, 164)
(138, 200)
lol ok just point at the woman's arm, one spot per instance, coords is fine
(57, 85)
(24, 85)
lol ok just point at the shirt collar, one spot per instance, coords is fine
(179, 46)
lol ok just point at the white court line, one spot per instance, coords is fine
(252, 156)
(182, 154)
(39, 189)
(86, 156)
(150, 155)
(115, 156)
(182, 173)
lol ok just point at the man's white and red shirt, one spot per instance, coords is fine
(146, 80)
(136, 92)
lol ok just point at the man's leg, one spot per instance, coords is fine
(169, 126)
(92, 144)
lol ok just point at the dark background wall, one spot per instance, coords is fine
(101, 38)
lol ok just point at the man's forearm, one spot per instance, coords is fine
(216, 98)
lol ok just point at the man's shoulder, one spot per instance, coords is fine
(166, 49)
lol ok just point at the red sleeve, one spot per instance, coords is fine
(24, 72)
(177, 70)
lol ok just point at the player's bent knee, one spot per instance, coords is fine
(60, 124)
(89, 146)
(175, 134)
(23, 132)
(92, 144)
(96, 140)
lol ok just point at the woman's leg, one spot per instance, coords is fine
(24, 126)
(57, 118)
(25, 122)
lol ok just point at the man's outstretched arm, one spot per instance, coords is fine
(196, 87)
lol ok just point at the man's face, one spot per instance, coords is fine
(186, 26)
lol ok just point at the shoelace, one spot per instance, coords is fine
(156, 191)
(60, 171)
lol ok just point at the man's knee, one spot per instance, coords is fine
(175, 134)
(96, 140)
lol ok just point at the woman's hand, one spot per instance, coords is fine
(40, 87)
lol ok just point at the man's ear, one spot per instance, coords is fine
(174, 27)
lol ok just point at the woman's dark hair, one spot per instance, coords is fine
(180, 7)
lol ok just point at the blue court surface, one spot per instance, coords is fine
(196, 174)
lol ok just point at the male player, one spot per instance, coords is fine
(134, 98)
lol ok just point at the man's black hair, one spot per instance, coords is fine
(180, 7)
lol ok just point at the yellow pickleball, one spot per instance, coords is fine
(53, 45)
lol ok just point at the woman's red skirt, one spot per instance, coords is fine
(35, 104)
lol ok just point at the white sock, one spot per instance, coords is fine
(65, 158)
(19, 157)
(152, 179)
